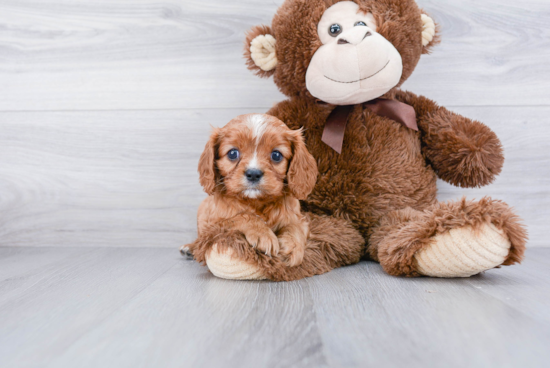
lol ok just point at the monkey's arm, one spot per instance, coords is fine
(463, 152)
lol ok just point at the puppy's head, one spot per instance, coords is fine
(257, 156)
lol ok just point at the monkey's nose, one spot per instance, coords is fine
(253, 175)
(354, 36)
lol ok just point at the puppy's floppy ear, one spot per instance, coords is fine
(302, 172)
(260, 51)
(430, 33)
(208, 173)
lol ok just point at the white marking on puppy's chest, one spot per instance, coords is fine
(251, 193)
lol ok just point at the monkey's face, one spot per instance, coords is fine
(341, 52)
(355, 64)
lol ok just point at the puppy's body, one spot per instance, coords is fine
(256, 169)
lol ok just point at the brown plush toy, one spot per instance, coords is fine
(379, 150)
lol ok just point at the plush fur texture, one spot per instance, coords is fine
(382, 187)
(463, 152)
(332, 243)
(386, 168)
(400, 234)
(295, 29)
(250, 35)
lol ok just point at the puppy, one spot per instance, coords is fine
(255, 170)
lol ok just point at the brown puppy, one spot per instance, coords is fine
(255, 170)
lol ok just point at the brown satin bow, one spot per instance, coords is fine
(335, 127)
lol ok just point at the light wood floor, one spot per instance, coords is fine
(117, 307)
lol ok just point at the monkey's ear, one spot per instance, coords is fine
(430, 33)
(260, 51)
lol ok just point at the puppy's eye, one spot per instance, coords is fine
(276, 156)
(334, 30)
(360, 23)
(233, 154)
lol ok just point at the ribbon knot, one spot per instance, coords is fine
(335, 126)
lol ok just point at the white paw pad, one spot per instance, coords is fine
(223, 266)
(463, 252)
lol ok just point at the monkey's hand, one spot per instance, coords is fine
(463, 152)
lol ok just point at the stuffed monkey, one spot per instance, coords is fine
(379, 150)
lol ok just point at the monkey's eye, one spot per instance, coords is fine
(276, 156)
(334, 30)
(233, 154)
(360, 23)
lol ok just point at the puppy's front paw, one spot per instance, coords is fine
(292, 250)
(263, 240)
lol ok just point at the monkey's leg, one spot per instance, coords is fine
(331, 243)
(454, 239)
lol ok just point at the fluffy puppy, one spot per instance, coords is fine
(255, 170)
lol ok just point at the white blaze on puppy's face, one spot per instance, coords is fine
(253, 164)
(355, 64)
(257, 124)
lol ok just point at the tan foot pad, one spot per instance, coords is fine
(463, 252)
(222, 265)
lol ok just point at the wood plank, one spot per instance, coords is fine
(520, 287)
(152, 308)
(88, 55)
(368, 318)
(22, 268)
(52, 306)
(128, 178)
(190, 318)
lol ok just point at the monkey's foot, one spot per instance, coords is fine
(463, 252)
(222, 263)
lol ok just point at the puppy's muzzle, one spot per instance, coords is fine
(253, 175)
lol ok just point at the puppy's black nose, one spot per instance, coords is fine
(254, 175)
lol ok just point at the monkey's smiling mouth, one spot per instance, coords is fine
(362, 79)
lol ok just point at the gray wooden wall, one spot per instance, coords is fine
(105, 106)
